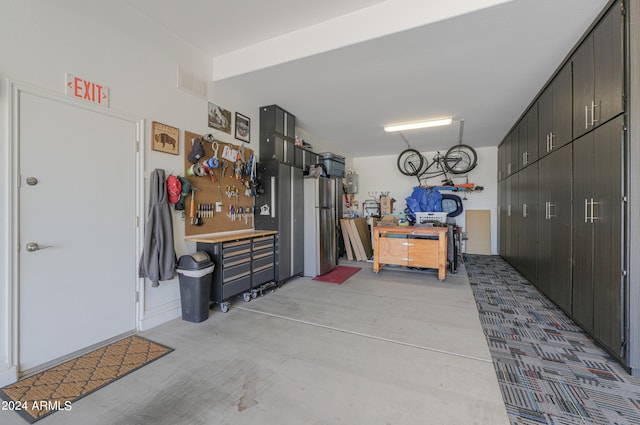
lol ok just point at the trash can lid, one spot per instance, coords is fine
(196, 261)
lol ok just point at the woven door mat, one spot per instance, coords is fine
(55, 389)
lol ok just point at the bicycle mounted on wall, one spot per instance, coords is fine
(459, 159)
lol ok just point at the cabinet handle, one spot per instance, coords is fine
(586, 117)
(551, 136)
(273, 197)
(408, 259)
(594, 105)
(509, 168)
(547, 142)
(552, 214)
(586, 210)
(508, 210)
(408, 244)
(546, 210)
(593, 217)
(524, 210)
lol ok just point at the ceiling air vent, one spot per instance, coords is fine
(191, 84)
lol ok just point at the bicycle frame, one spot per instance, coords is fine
(440, 170)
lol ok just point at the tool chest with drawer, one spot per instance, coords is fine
(243, 265)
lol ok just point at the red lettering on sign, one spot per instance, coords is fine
(87, 90)
(76, 83)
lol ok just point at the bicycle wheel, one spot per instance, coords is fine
(411, 162)
(460, 159)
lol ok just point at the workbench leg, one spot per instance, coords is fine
(376, 251)
(442, 256)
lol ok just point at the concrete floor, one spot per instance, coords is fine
(398, 347)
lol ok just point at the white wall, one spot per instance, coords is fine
(380, 174)
(109, 43)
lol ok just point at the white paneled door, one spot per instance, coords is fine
(77, 227)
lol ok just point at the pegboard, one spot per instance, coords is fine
(213, 189)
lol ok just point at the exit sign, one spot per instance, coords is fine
(86, 90)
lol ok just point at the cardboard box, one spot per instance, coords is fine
(388, 219)
(386, 205)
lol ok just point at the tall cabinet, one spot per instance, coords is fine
(554, 227)
(278, 204)
(578, 252)
(598, 232)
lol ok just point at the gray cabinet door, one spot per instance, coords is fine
(555, 113)
(554, 227)
(545, 120)
(297, 225)
(502, 216)
(562, 108)
(532, 134)
(598, 74)
(502, 161)
(608, 50)
(598, 242)
(607, 234)
(512, 220)
(514, 140)
(528, 223)
(583, 87)
(583, 182)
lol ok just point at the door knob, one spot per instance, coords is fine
(33, 246)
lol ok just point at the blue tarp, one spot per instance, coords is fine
(423, 200)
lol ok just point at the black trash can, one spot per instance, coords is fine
(195, 271)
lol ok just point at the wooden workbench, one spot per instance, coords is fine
(408, 246)
(229, 236)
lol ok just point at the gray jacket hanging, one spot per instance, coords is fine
(158, 260)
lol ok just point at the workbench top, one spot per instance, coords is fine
(230, 236)
(409, 230)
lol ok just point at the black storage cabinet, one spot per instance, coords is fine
(195, 272)
(278, 136)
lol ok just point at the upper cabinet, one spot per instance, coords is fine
(554, 113)
(528, 136)
(504, 158)
(277, 136)
(598, 74)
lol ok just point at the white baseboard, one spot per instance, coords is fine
(8, 376)
(160, 315)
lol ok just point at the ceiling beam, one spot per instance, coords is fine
(376, 21)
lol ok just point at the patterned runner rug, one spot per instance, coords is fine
(549, 370)
(55, 389)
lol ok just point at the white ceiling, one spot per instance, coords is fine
(345, 68)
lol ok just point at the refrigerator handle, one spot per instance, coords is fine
(273, 197)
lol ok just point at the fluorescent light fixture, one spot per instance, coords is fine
(415, 125)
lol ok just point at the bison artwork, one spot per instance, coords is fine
(164, 139)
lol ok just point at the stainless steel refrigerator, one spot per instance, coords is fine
(279, 207)
(320, 248)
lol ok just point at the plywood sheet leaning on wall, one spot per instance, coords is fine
(347, 240)
(478, 231)
(221, 192)
(357, 238)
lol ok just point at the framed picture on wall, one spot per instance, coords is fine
(164, 138)
(243, 127)
(219, 118)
